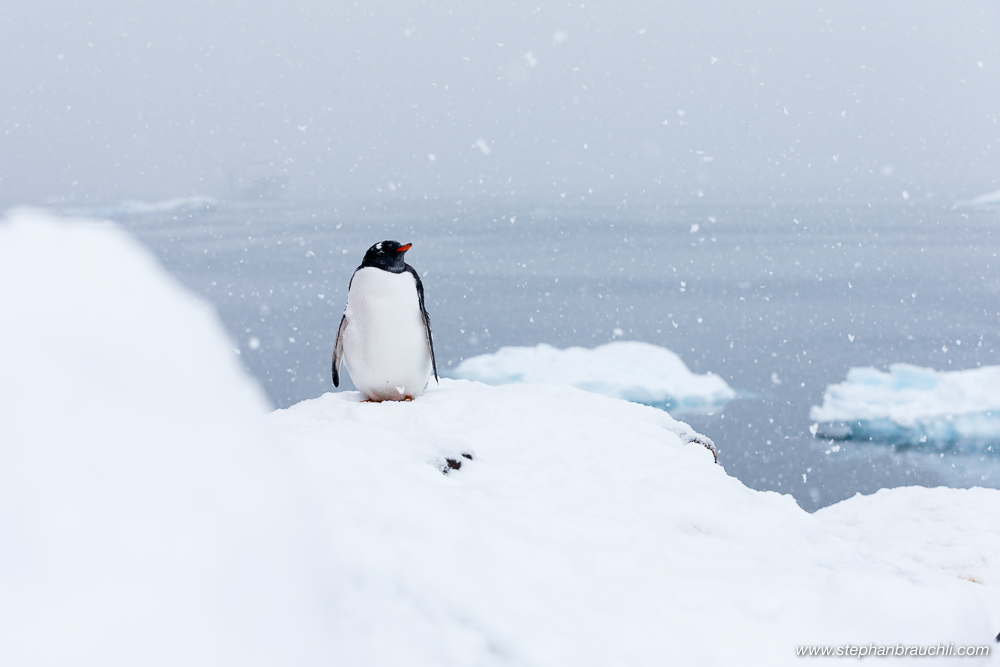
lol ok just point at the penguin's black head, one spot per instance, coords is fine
(386, 255)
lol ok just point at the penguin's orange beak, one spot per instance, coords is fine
(404, 248)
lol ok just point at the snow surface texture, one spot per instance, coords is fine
(152, 516)
(629, 370)
(911, 405)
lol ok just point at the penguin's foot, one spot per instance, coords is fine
(379, 400)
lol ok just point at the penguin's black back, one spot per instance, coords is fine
(423, 312)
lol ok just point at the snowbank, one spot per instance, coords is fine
(914, 406)
(913, 527)
(146, 517)
(629, 370)
(151, 516)
(584, 530)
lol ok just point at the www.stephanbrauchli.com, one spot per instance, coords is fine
(890, 650)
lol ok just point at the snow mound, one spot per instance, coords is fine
(629, 370)
(914, 527)
(146, 517)
(915, 406)
(543, 525)
(152, 516)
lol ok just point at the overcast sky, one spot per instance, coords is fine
(671, 101)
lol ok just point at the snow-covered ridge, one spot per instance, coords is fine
(629, 370)
(152, 513)
(914, 406)
(135, 207)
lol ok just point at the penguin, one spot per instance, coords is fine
(385, 334)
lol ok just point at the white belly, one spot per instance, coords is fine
(385, 343)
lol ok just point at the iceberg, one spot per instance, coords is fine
(986, 200)
(914, 406)
(155, 513)
(629, 370)
(136, 207)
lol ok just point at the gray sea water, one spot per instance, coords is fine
(778, 300)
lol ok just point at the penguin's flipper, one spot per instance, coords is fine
(338, 351)
(427, 318)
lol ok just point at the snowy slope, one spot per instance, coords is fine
(630, 370)
(146, 516)
(949, 530)
(915, 406)
(151, 515)
(585, 532)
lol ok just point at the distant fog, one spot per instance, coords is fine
(583, 102)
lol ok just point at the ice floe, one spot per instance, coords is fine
(629, 370)
(910, 405)
(135, 207)
(988, 199)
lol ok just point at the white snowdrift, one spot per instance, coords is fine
(146, 516)
(913, 527)
(629, 370)
(915, 406)
(584, 531)
(151, 517)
